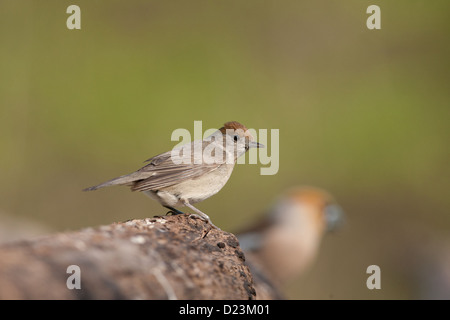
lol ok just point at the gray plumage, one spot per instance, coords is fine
(162, 171)
(190, 173)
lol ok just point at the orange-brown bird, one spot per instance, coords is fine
(285, 243)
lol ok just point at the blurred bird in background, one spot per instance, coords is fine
(285, 243)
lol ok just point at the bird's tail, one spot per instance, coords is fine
(122, 180)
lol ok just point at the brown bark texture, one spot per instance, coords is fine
(167, 257)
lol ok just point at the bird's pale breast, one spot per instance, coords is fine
(196, 190)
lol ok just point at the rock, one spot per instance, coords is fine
(168, 257)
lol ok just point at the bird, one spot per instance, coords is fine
(192, 172)
(285, 242)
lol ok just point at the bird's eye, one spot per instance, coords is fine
(236, 138)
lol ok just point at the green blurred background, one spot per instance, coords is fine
(361, 113)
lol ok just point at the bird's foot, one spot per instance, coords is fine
(173, 211)
(200, 214)
(207, 220)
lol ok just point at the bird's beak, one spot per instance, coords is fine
(253, 144)
(334, 217)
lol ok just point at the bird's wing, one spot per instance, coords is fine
(165, 170)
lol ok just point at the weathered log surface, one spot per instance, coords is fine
(169, 257)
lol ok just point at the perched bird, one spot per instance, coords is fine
(286, 241)
(190, 173)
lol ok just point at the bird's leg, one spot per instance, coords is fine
(173, 210)
(202, 215)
